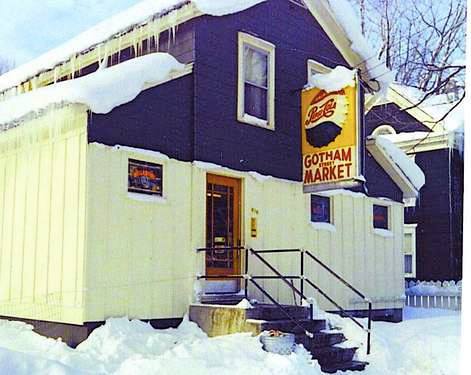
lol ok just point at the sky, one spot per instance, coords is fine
(32, 27)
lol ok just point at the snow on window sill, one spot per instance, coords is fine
(383, 232)
(252, 120)
(324, 226)
(147, 198)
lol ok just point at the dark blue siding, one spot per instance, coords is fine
(439, 216)
(391, 114)
(219, 137)
(378, 182)
(160, 119)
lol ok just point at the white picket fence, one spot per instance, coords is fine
(434, 294)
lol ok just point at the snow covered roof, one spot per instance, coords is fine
(401, 168)
(137, 15)
(430, 111)
(100, 91)
(373, 69)
(336, 17)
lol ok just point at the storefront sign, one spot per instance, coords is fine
(330, 138)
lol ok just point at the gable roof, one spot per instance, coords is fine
(403, 171)
(150, 17)
(407, 100)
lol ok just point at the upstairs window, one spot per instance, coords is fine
(256, 89)
(320, 209)
(380, 217)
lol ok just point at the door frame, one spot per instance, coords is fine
(236, 183)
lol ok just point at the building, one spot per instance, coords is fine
(111, 178)
(433, 228)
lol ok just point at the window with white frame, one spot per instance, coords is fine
(315, 67)
(409, 247)
(256, 81)
(381, 217)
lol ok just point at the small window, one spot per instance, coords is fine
(408, 264)
(256, 89)
(409, 249)
(315, 67)
(380, 217)
(320, 209)
(144, 177)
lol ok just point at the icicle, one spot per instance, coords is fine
(103, 61)
(56, 74)
(120, 43)
(72, 65)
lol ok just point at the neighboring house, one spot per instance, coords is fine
(111, 178)
(433, 229)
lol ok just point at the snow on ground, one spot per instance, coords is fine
(426, 343)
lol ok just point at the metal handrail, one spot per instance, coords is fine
(346, 283)
(285, 279)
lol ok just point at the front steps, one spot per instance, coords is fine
(325, 346)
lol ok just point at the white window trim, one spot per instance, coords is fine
(380, 231)
(316, 66)
(268, 47)
(411, 229)
(317, 225)
(146, 198)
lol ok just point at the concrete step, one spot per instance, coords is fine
(285, 325)
(320, 340)
(333, 354)
(221, 299)
(273, 312)
(344, 366)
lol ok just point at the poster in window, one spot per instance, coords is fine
(320, 209)
(144, 177)
(380, 216)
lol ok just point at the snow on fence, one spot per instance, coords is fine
(434, 294)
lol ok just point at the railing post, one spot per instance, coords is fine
(311, 311)
(368, 344)
(302, 271)
(246, 272)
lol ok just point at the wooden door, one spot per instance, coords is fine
(222, 225)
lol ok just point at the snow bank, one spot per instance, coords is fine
(350, 22)
(132, 347)
(100, 91)
(136, 15)
(407, 165)
(431, 288)
(427, 342)
(337, 79)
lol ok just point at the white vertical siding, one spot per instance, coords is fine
(141, 258)
(42, 216)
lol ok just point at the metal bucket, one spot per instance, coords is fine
(283, 344)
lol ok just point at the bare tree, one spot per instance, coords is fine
(422, 41)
